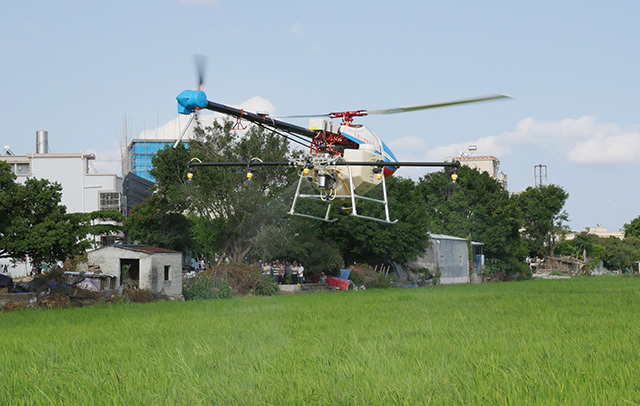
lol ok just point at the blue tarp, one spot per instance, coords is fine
(345, 273)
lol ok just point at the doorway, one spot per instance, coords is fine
(129, 269)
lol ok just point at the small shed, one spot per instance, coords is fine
(449, 255)
(153, 268)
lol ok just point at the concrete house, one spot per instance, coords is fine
(156, 269)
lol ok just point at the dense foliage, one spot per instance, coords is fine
(543, 217)
(478, 208)
(229, 212)
(632, 229)
(206, 286)
(374, 242)
(227, 280)
(33, 223)
(245, 279)
(614, 254)
(154, 223)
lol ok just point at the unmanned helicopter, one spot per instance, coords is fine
(344, 161)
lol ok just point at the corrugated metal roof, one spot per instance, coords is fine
(450, 237)
(445, 237)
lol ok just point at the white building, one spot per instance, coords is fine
(600, 231)
(82, 191)
(156, 269)
(487, 163)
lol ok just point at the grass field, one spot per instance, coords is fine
(537, 342)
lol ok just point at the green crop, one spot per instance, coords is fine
(573, 342)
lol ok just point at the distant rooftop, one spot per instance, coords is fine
(146, 248)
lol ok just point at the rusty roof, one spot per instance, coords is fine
(147, 249)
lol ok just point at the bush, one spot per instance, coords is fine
(381, 282)
(357, 278)
(264, 286)
(54, 301)
(245, 279)
(12, 306)
(368, 277)
(206, 286)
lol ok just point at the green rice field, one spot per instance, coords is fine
(543, 342)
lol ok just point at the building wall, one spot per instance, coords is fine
(80, 189)
(487, 163)
(155, 280)
(600, 231)
(108, 259)
(450, 255)
(151, 268)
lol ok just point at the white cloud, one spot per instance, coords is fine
(407, 145)
(581, 140)
(257, 103)
(107, 161)
(173, 129)
(615, 148)
(296, 29)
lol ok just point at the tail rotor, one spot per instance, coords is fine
(190, 101)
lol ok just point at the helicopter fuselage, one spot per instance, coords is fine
(360, 134)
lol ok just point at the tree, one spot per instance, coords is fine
(621, 254)
(234, 209)
(7, 192)
(615, 254)
(241, 219)
(589, 248)
(632, 229)
(543, 216)
(299, 239)
(100, 223)
(154, 223)
(33, 223)
(361, 240)
(478, 208)
(39, 226)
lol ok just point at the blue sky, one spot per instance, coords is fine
(76, 68)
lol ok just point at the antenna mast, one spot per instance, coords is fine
(540, 175)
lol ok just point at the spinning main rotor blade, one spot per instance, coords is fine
(435, 105)
(362, 113)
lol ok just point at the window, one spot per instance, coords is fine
(140, 154)
(22, 169)
(109, 201)
(166, 272)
